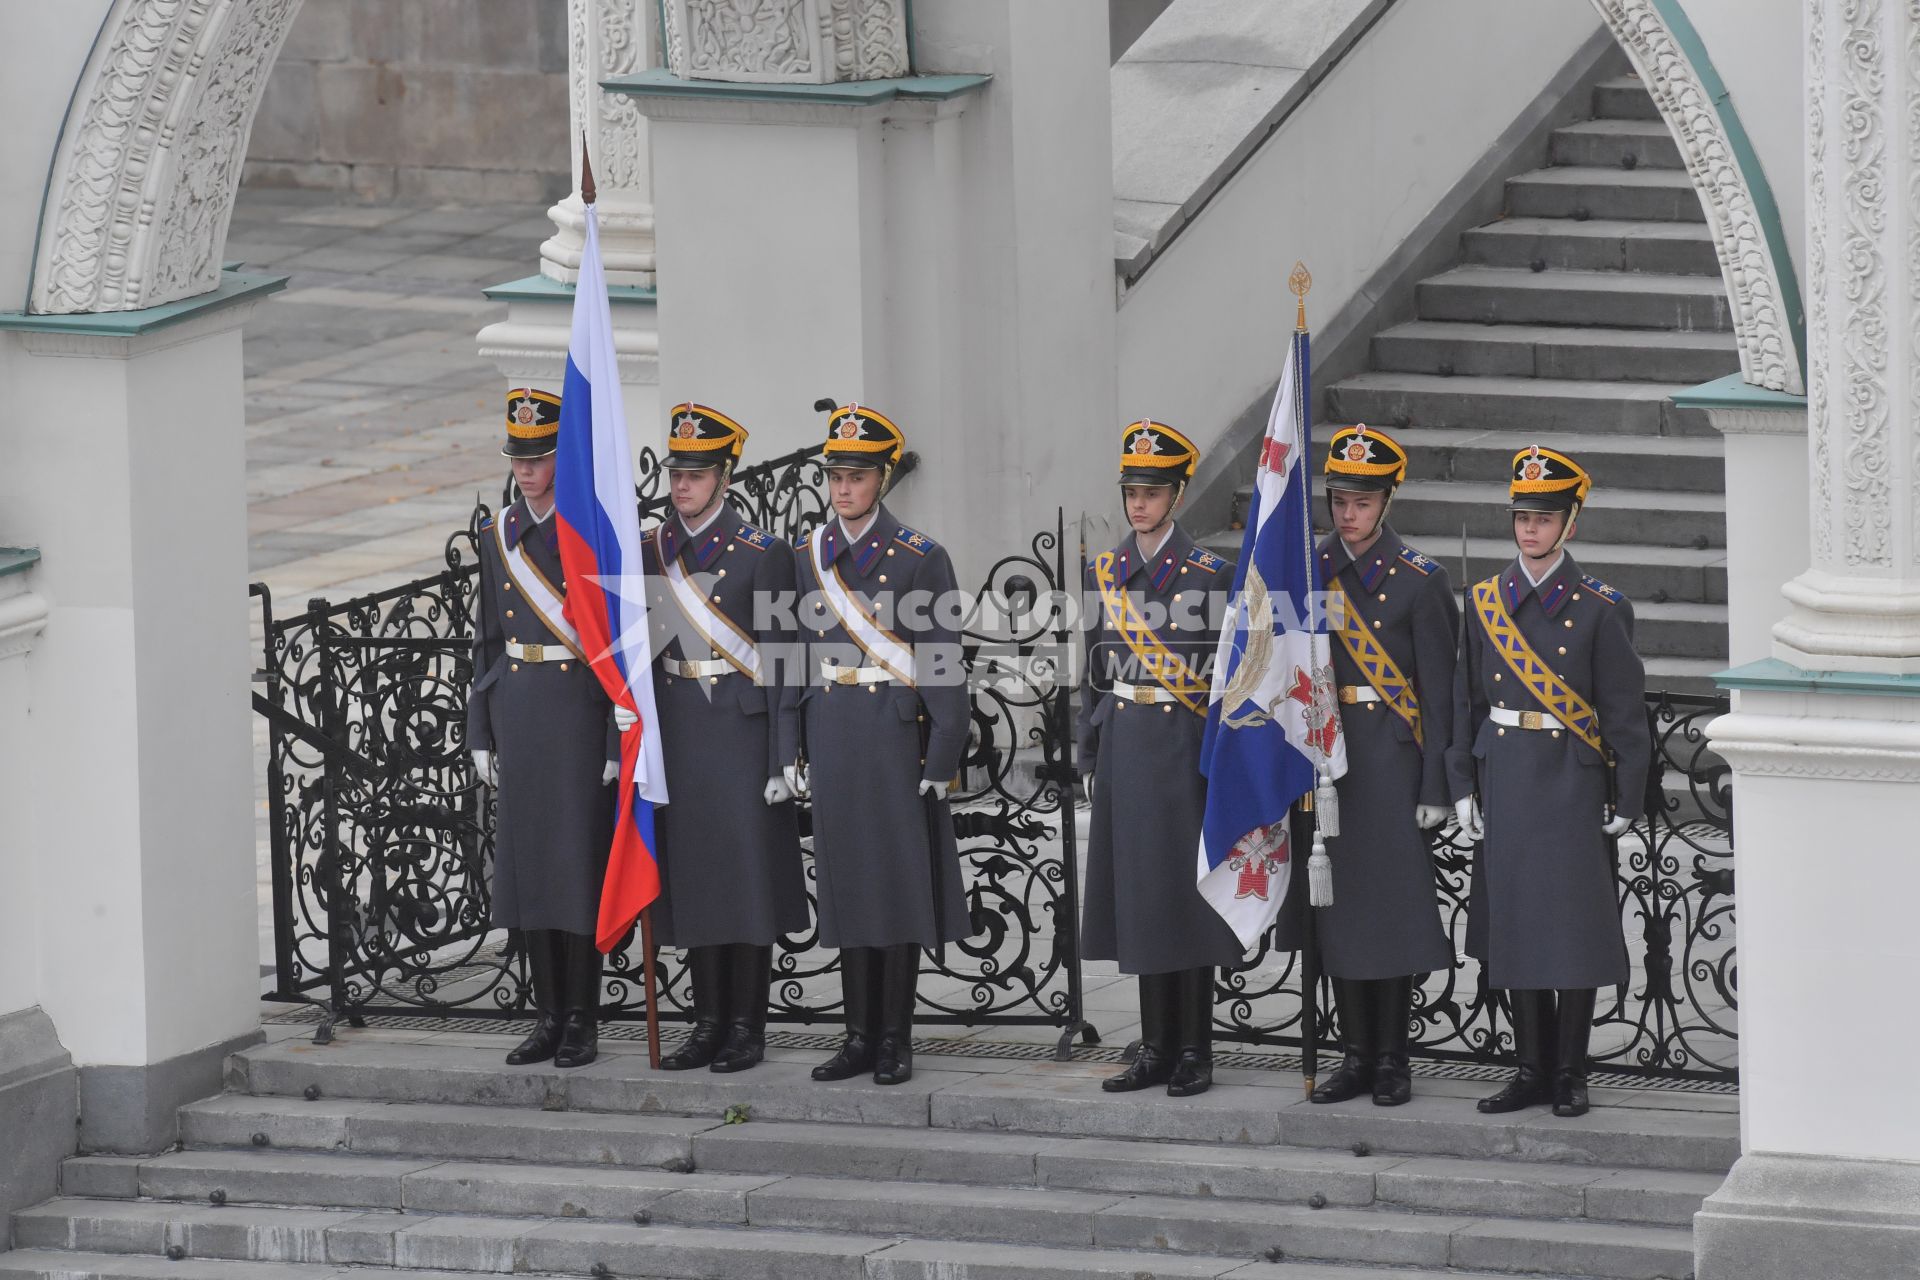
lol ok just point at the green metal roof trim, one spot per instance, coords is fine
(234, 287)
(661, 83)
(538, 288)
(1775, 676)
(1735, 392)
(1750, 168)
(17, 559)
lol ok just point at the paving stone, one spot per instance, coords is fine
(1575, 1249)
(1226, 1113)
(1504, 1188)
(556, 1191)
(1249, 1228)
(929, 1209)
(1274, 1174)
(694, 1253)
(848, 1151)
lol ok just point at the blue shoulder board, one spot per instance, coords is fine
(1600, 589)
(758, 539)
(1417, 562)
(486, 522)
(1201, 558)
(918, 543)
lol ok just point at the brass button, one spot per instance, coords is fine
(1123, 704)
(513, 666)
(1556, 733)
(1576, 595)
(1393, 571)
(1183, 568)
(506, 586)
(1503, 733)
(889, 550)
(565, 665)
(883, 577)
(1569, 624)
(1174, 625)
(729, 546)
(716, 597)
(1383, 597)
(713, 679)
(1376, 624)
(1167, 707)
(1496, 675)
(1503, 702)
(509, 613)
(721, 574)
(873, 688)
(920, 719)
(1563, 649)
(823, 635)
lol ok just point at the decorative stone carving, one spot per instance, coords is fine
(144, 178)
(787, 41)
(1769, 356)
(1788, 745)
(606, 38)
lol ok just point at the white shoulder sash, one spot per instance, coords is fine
(536, 593)
(714, 627)
(882, 646)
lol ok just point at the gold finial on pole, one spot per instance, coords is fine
(586, 173)
(1300, 282)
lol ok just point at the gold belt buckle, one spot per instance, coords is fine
(1349, 694)
(533, 653)
(687, 670)
(1144, 694)
(847, 675)
(1531, 720)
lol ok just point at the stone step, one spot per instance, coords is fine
(1043, 1098)
(1577, 191)
(1398, 401)
(1666, 248)
(1452, 348)
(1624, 98)
(1603, 299)
(58, 1264)
(1684, 463)
(1610, 144)
(1437, 510)
(449, 1131)
(1153, 1229)
(1685, 675)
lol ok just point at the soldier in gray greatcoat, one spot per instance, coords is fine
(1393, 666)
(540, 727)
(731, 880)
(1548, 767)
(884, 716)
(1142, 719)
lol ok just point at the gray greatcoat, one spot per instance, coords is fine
(550, 728)
(1385, 917)
(1545, 912)
(1143, 905)
(730, 865)
(877, 843)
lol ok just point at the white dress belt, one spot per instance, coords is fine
(1142, 693)
(1352, 693)
(696, 670)
(538, 652)
(833, 673)
(1511, 719)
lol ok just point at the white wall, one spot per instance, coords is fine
(1369, 154)
(19, 927)
(47, 46)
(1757, 47)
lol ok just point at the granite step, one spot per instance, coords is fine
(1624, 98)
(1681, 463)
(1663, 248)
(1437, 511)
(1611, 144)
(1467, 348)
(804, 1235)
(1574, 191)
(1398, 401)
(1587, 299)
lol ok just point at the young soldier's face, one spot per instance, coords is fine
(1148, 505)
(694, 491)
(535, 478)
(1536, 532)
(1356, 515)
(854, 490)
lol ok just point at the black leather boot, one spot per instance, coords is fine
(1353, 999)
(1193, 1069)
(1392, 1012)
(1532, 1031)
(749, 972)
(1573, 1027)
(859, 973)
(899, 981)
(545, 964)
(707, 976)
(1153, 1061)
(580, 1035)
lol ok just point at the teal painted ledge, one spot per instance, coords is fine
(1774, 676)
(661, 83)
(1735, 392)
(17, 560)
(540, 289)
(234, 287)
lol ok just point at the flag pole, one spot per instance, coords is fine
(1299, 283)
(648, 979)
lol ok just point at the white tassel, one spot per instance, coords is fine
(1319, 874)
(1326, 807)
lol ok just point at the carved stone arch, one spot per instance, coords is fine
(144, 178)
(1754, 264)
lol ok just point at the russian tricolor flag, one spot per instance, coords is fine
(598, 521)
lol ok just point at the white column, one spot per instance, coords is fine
(1857, 608)
(23, 615)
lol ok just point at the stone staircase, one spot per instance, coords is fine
(428, 1160)
(1570, 322)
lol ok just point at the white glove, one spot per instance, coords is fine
(796, 780)
(1086, 788)
(777, 792)
(1468, 812)
(610, 774)
(928, 787)
(483, 765)
(623, 719)
(1429, 816)
(1616, 825)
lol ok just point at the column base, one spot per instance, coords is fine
(38, 1099)
(1850, 624)
(1786, 1217)
(133, 1110)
